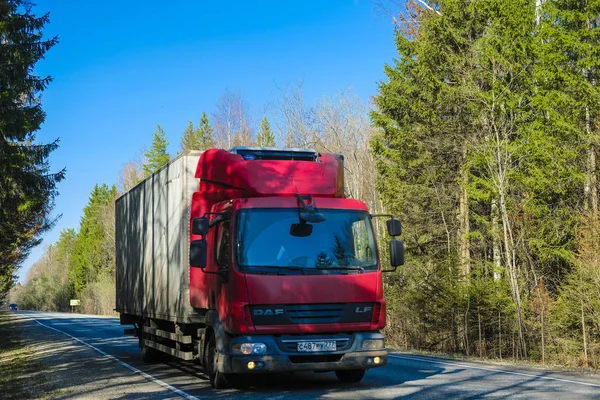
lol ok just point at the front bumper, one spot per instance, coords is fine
(285, 359)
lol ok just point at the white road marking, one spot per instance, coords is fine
(124, 364)
(503, 371)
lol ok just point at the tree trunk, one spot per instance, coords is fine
(512, 268)
(463, 222)
(513, 346)
(590, 187)
(543, 336)
(466, 327)
(500, 334)
(538, 11)
(479, 326)
(496, 251)
(585, 350)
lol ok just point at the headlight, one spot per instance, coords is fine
(373, 344)
(250, 348)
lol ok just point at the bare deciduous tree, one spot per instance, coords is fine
(292, 118)
(132, 172)
(232, 122)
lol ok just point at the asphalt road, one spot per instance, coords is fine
(405, 376)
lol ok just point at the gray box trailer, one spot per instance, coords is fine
(152, 244)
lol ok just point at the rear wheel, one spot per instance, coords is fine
(350, 375)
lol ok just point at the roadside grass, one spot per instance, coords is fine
(19, 370)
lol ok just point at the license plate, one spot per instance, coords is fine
(317, 346)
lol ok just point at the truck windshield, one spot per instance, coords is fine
(268, 238)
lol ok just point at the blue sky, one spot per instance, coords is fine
(123, 67)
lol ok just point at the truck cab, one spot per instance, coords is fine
(291, 281)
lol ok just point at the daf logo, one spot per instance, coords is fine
(268, 311)
(363, 310)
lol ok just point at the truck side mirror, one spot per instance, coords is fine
(396, 253)
(200, 226)
(394, 227)
(198, 254)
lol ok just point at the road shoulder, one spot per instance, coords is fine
(50, 365)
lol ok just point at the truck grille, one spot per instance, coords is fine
(315, 313)
(291, 314)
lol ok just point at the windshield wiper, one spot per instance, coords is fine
(281, 269)
(349, 268)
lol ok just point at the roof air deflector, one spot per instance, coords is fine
(271, 153)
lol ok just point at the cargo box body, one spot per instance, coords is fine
(152, 244)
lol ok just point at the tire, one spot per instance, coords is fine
(350, 375)
(216, 378)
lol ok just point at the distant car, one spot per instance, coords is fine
(13, 307)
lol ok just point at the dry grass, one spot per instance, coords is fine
(18, 365)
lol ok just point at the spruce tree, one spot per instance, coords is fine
(27, 186)
(265, 136)
(189, 140)
(204, 133)
(157, 156)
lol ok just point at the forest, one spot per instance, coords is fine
(482, 139)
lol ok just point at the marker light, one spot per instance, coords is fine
(251, 365)
(377, 360)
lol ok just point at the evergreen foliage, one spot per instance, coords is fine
(204, 133)
(27, 187)
(200, 138)
(189, 140)
(488, 140)
(93, 251)
(157, 156)
(265, 136)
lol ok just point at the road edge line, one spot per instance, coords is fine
(122, 363)
(494, 370)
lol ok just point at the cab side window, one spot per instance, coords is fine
(223, 246)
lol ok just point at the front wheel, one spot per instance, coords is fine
(216, 378)
(350, 375)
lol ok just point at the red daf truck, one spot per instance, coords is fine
(250, 261)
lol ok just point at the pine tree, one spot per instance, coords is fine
(265, 137)
(27, 187)
(157, 156)
(204, 133)
(189, 140)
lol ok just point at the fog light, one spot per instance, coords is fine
(377, 360)
(251, 365)
(260, 364)
(369, 361)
